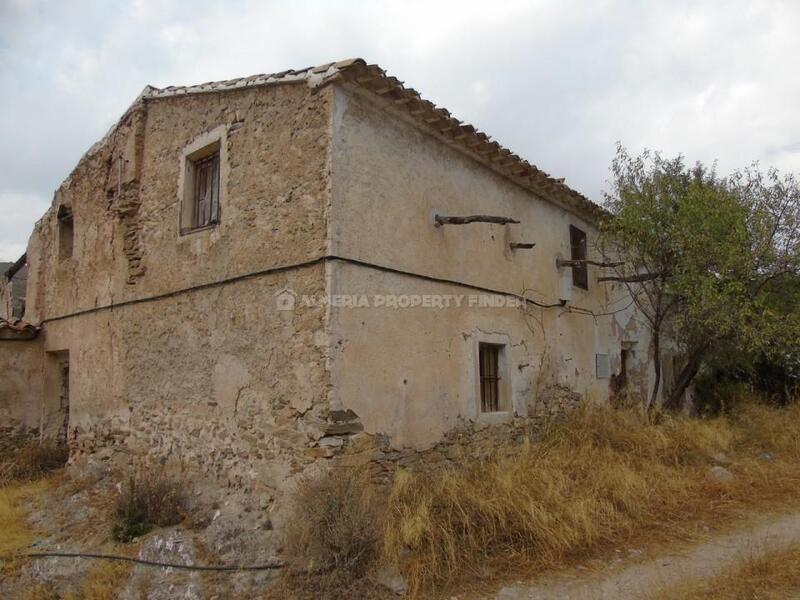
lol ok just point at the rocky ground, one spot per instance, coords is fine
(76, 514)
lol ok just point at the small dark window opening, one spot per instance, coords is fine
(202, 199)
(18, 309)
(66, 232)
(58, 369)
(624, 357)
(577, 243)
(64, 400)
(489, 358)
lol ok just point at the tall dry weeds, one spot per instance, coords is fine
(600, 477)
(333, 537)
(31, 461)
(771, 576)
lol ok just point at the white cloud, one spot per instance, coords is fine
(19, 213)
(558, 82)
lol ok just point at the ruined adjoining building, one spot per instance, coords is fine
(13, 288)
(248, 272)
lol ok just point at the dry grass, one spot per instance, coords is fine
(603, 477)
(773, 576)
(150, 498)
(16, 534)
(335, 524)
(38, 592)
(333, 537)
(31, 461)
(102, 582)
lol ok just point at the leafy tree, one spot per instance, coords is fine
(705, 258)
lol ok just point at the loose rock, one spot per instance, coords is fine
(720, 474)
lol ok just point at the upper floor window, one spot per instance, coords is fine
(200, 202)
(577, 242)
(66, 232)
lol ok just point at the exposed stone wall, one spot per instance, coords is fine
(179, 350)
(122, 188)
(124, 197)
(468, 441)
(237, 395)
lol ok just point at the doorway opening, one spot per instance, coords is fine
(59, 426)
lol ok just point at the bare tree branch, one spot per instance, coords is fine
(579, 263)
(632, 278)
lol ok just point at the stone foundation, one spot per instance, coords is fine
(470, 441)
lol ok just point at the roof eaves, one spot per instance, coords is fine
(373, 79)
(312, 76)
(16, 266)
(467, 138)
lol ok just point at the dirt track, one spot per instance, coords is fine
(623, 580)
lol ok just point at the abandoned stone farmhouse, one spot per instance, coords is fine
(250, 273)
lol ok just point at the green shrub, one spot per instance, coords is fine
(150, 498)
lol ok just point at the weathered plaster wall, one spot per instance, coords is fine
(274, 200)
(410, 373)
(170, 358)
(214, 375)
(21, 390)
(236, 393)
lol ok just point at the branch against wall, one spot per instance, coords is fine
(560, 262)
(640, 278)
(440, 220)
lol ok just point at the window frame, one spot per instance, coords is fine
(209, 145)
(602, 365)
(578, 248)
(65, 220)
(489, 376)
(200, 197)
(506, 403)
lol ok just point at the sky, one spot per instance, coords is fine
(558, 82)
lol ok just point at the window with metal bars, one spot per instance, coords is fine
(205, 192)
(489, 358)
(577, 243)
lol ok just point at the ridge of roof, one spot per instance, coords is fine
(313, 76)
(436, 120)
